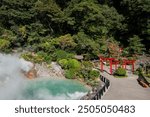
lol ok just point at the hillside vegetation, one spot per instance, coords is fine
(56, 30)
(75, 26)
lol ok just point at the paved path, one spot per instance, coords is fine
(125, 89)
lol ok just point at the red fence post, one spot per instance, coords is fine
(133, 66)
(110, 61)
(125, 66)
(101, 63)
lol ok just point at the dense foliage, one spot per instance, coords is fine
(56, 30)
(80, 70)
(84, 27)
(4, 45)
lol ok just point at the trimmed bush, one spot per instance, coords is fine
(94, 74)
(120, 72)
(72, 67)
(74, 64)
(63, 63)
(70, 74)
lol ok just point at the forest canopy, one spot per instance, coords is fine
(85, 27)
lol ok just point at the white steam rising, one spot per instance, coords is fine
(44, 94)
(11, 78)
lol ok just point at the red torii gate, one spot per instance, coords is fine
(113, 61)
(128, 62)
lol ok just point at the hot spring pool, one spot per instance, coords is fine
(15, 86)
(52, 89)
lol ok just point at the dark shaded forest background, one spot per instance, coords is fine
(83, 27)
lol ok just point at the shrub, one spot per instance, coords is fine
(86, 45)
(125, 52)
(46, 57)
(85, 73)
(60, 54)
(92, 83)
(74, 64)
(32, 57)
(87, 65)
(79, 75)
(66, 42)
(94, 74)
(63, 63)
(70, 74)
(120, 72)
(46, 47)
(4, 45)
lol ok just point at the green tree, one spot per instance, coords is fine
(63, 3)
(65, 42)
(50, 14)
(74, 64)
(86, 45)
(9, 36)
(48, 25)
(135, 45)
(92, 18)
(14, 12)
(137, 18)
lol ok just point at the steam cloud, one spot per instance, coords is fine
(11, 78)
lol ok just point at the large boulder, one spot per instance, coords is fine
(57, 69)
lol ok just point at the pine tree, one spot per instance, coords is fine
(135, 45)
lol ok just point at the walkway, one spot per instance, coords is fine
(125, 89)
